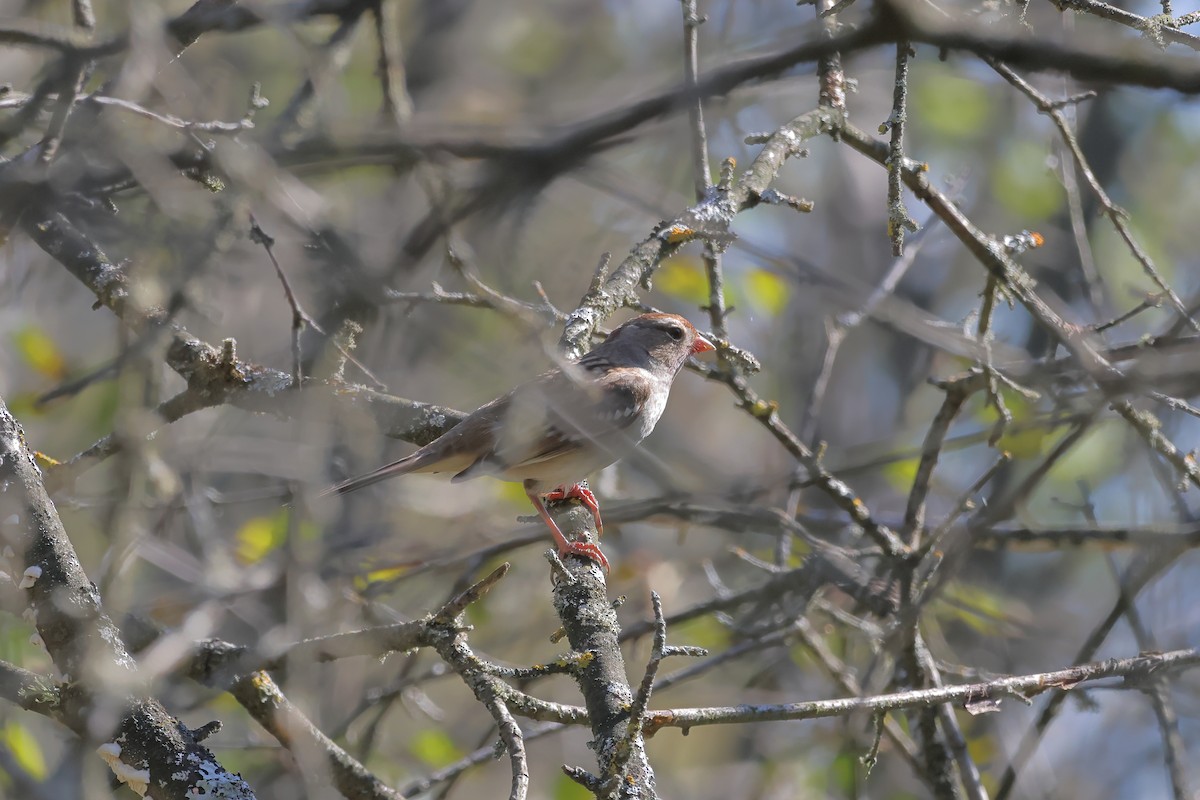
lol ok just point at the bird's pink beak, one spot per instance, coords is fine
(701, 345)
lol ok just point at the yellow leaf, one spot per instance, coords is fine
(983, 610)
(25, 749)
(901, 474)
(683, 277)
(259, 536)
(1026, 443)
(435, 749)
(381, 575)
(39, 352)
(45, 460)
(513, 494)
(1022, 438)
(766, 292)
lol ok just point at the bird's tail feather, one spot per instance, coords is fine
(402, 467)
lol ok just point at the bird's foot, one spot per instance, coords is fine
(585, 549)
(565, 546)
(583, 494)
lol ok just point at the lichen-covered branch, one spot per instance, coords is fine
(87, 647)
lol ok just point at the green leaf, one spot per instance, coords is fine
(1090, 459)
(25, 749)
(843, 773)
(702, 632)
(567, 789)
(950, 106)
(537, 44)
(1022, 438)
(1024, 184)
(1118, 266)
(106, 403)
(434, 748)
(984, 610)
(1023, 443)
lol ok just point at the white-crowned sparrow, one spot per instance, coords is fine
(565, 424)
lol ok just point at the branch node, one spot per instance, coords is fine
(449, 612)
(871, 757)
(584, 778)
(206, 730)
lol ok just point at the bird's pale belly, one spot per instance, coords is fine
(570, 468)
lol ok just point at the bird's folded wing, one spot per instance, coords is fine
(557, 415)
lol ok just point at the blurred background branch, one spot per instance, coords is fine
(955, 469)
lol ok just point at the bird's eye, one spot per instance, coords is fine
(675, 332)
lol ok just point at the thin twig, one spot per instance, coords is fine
(958, 391)
(1151, 301)
(968, 772)
(171, 410)
(334, 56)
(899, 220)
(838, 328)
(300, 317)
(1137, 576)
(691, 68)
(830, 77)
(1159, 694)
(397, 104)
(1118, 216)
(641, 699)
(1022, 687)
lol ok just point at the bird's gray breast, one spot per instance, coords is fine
(652, 407)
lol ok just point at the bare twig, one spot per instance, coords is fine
(170, 410)
(1151, 301)
(1137, 576)
(1131, 20)
(691, 67)
(957, 390)
(831, 78)
(300, 317)
(264, 701)
(1115, 213)
(899, 220)
(1020, 687)
(397, 104)
(837, 329)
(968, 772)
(335, 55)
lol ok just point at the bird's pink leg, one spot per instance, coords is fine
(585, 549)
(584, 495)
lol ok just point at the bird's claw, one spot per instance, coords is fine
(583, 495)
(585, 549)
(565, 546)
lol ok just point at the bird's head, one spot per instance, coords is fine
(666, 339)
